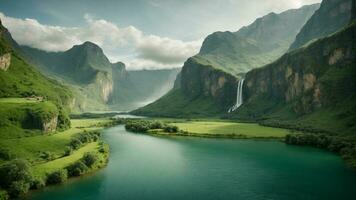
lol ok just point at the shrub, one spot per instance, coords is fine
(18, 188)
(90, 158)
(5, 154)
(63, 120)
(3, 195)
(76, 169)
(16, 170)
(59, 176)
(37, 184)
(68, 151)
(75, 143)
(46, 155)
(170, 129)
(103, 148)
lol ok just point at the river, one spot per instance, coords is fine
(148, 167)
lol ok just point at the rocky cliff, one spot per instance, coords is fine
(307, 82)
(5, 61)
(200, 90)
(200, 79)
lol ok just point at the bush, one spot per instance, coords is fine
(46, 155)
(75, 143)
(15, 171)
(59, 176)
(5, 154)
(103, 148)
(3, 195)
(76, 169)
(68, 151)
(90, 158)
(18, 188)
(63, 120)
(37, 184)
(170, 129)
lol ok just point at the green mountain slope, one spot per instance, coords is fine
(257, 44)
(19, 80)
(329, 18)
(311, 88)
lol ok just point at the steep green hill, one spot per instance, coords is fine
(311, 88)
(20, 80)
(329, 18)
(257, 44)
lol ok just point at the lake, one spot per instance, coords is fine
(148, 167)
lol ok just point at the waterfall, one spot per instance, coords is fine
(238, 96)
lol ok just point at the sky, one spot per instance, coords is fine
(147, 34)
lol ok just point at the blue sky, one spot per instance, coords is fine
(142, 33)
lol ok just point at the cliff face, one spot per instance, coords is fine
(200, 90)
(5, 61)
(201, 80)
(330, 17)
(305, 81)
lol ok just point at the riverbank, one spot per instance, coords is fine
(209, 128)
(52, 158)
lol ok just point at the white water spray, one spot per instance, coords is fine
(238, 96)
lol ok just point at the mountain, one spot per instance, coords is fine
(140, 87)
(20, 81)
(257, 44)
(332, 16)
(311, 88)
(207, 84)
(99, 84)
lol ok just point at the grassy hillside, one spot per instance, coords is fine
(257, 44)
(176, 104)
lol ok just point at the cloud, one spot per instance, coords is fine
(128, 44)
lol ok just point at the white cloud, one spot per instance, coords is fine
(127, 44)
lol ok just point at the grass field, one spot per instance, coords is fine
(18, 100)
(40, 170)
(250, 130)
(31, 147)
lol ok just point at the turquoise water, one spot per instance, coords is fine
(147, 167)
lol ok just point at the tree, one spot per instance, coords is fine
(16, 170)
(18, 188)
(59, 176)
(90, 158)
(76, 169)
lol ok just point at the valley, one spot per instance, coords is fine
(98, 111)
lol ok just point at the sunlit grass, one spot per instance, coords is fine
(228, 128)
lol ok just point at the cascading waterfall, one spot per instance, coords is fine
(238, 96)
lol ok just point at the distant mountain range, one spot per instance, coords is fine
(99, 84)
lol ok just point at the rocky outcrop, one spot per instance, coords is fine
(307, 79)
(5, 61)
(198, 79)
(50, 125)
